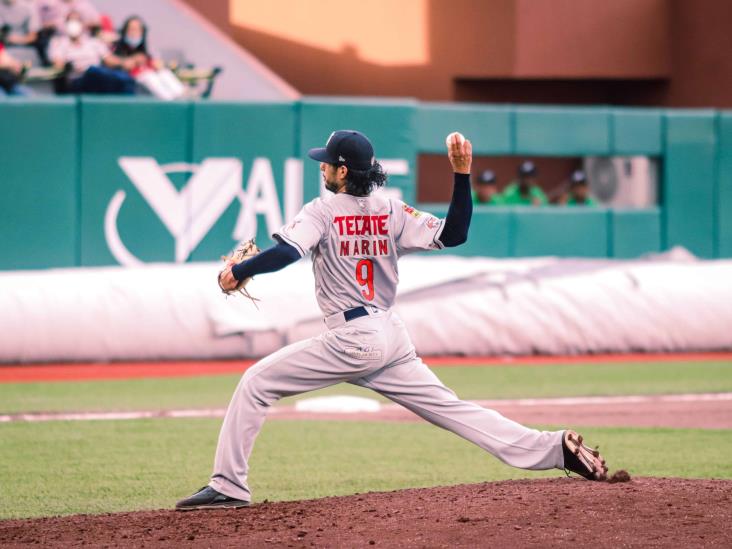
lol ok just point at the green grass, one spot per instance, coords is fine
(468, 382)
(93, 467)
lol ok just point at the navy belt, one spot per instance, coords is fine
(358, 312)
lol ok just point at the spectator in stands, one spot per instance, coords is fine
(579, 193)
(52, 15)
(485, 189)
(18, 23)
(11, 72)
(132, 52)
(524, 191)
(89, 61)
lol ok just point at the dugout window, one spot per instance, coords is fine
(617, 181)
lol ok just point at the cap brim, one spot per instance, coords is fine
(321, 154)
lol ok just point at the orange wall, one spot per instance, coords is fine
(326, 25)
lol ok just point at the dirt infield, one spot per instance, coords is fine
(691, 411)
(529, 513)
(673, 411)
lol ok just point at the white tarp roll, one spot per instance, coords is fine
(451, 305)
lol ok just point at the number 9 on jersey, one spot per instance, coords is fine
(365, 277)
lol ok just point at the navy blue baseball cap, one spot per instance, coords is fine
(487, 177)
(348, 148)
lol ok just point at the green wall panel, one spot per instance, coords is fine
(560, 231)
(156, 132)
(724, 186)
(689, 172)
(38, 182)
(62, 175)
(262, 131)
(390, 125)
(489, 235)
(635, 232)
(488, 128)
(636, 132)
(562, 131)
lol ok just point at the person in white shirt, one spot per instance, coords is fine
(19, 22)
(132, 51)
(89, 61)
(52, 16)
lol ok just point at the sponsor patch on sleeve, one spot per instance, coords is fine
(411, 211)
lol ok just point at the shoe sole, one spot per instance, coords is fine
(589, 457)
(237, 505)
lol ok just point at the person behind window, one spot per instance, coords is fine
(485, 189)
(134, 57)
(524, 191)
(88, 60)
(579, 192)
(11, 71)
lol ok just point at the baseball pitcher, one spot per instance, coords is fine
(356, 237)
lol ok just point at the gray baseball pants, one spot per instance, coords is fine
(375, 352)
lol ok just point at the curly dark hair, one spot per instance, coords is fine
(363, 182)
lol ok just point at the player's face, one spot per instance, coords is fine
(333, 177)
(134, 29)
(485, 191)
(580, 192)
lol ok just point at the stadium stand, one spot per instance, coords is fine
(185, 48)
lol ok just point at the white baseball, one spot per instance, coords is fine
(448, 139)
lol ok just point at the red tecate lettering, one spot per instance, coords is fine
(365, 225)
(360, 225)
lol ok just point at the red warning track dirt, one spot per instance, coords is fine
(135, 370)
(644, 512)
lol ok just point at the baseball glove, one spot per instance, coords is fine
(243, 251)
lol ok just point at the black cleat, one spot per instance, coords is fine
(208, 498)
(582, 459)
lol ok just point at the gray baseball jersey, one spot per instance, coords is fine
(355, 242)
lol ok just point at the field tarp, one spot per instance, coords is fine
(451, 305)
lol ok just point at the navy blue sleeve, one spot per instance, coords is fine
(270, 260)
(457, 222)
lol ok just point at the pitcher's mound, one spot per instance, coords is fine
(655, 512)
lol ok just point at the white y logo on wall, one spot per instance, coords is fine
(189, 214)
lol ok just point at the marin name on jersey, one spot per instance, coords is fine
(371, 226)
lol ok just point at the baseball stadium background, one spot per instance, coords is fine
(118, 353)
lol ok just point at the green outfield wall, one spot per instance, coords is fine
(106, 181)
